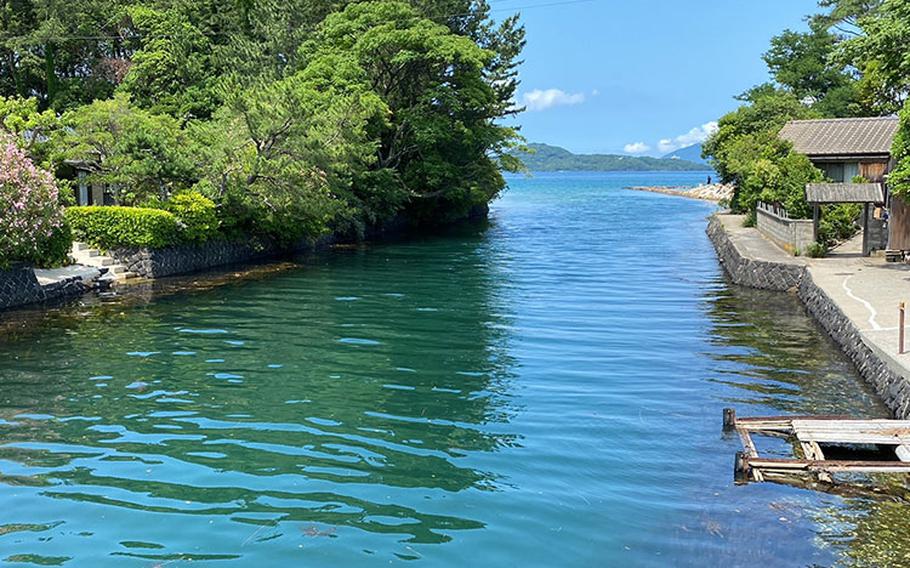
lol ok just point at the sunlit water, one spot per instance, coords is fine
(543, 391)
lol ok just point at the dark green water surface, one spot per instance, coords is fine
(542, 391)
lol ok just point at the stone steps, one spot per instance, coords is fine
(87, 256)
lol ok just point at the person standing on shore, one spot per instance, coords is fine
(709, 180)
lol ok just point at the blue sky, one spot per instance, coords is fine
(620, 76)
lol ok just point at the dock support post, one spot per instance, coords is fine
(740, 469)
(729, 419)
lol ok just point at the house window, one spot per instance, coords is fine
(840, 172)
(83, 189)
(851, 170)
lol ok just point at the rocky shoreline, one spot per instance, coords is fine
(714, 192)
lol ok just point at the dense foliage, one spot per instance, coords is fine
(113, 227)
(899, 180)
(854, 61)
(195, 214)
(294, 118)
(747, 151)
(31, 226)
(546, 158)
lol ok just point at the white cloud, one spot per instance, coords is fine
(637, 148)
(695, 136)
(543, 99)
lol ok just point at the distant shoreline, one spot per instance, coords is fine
(713, 192)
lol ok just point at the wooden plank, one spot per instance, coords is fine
(840, 465)
(748, 445)
(812, 451)
(850, 438)
(790, 419)
(875, 424)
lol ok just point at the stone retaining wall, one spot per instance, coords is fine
(893, 388)
(18, 286)
(751, 272)
(156, 263)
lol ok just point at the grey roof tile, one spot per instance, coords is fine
(841, 136)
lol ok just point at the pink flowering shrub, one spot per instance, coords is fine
(31, 218)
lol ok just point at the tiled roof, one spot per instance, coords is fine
(841, 136)
(844, 193)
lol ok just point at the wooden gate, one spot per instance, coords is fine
(899, 224)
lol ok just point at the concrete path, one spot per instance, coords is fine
(866, 289)
(47, 276)
(751, 244)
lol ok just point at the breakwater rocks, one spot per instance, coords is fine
(20, 286)
(891, 385)
(714, 192)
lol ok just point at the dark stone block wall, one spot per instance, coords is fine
(893, 388)
(748, 272)
(890, 386)
(18, 286)
(157, 263)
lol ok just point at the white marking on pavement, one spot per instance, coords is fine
(869, 307)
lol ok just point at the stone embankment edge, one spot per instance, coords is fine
(891, 386)
(19, 287)
(753, 273)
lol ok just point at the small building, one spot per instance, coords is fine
(847, 149)
(88, 193)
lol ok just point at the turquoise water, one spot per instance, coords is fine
(544, 390)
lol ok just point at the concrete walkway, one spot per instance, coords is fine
(49, 276)
(867, 290)
(751, 244)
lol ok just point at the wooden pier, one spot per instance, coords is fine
(827, 444)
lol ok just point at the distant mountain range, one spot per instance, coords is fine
(548, 158)
(689, 153)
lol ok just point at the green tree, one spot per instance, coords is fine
(31, 128)
(881, 52)
(899, 180)
(766, 110)
(65, 53)
(140, 154)
(802, 63)
(279, 158)
(171, 71)
(443, 139)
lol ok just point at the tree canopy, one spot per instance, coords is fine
(295, 117)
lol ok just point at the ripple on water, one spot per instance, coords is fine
(583, 361)
(358, 341)
(225, 376)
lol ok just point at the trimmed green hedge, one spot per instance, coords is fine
(110, 227)
(197, 215)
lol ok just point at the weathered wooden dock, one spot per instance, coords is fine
(826, 445)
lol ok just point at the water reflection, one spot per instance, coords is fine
(777, 359)
(775, 356)
(277, 420)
